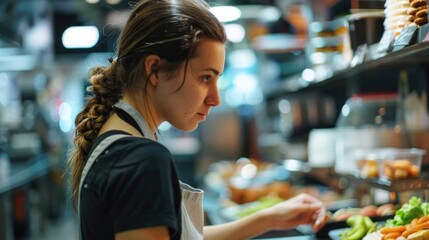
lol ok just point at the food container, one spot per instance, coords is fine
(366, 121)
(367, 162)
(396, 163)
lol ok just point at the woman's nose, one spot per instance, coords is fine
(213, 98)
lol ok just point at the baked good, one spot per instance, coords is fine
(420, 21)
(422, 13)
(418, 3)
(413, 11)
(411, 18)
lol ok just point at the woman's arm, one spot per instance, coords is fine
(302, 209)
(243, 228)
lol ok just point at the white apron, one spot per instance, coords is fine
(192, 198)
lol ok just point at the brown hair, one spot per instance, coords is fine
(169, 29)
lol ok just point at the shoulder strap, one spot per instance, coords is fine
(103, 145)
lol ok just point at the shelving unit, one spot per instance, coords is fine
(382, 69)
(22, 175)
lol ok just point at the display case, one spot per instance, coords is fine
(377, 74)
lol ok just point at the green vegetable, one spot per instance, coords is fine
(425, 207)
(360, 227)
(408, 211)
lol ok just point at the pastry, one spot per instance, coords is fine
(420, 21)
(411, 18)
(413, 11)
(418, 3)
(422, 13)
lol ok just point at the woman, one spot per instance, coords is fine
(169, 58)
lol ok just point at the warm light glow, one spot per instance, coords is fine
(80, 37)
(113, 2)
(226, 13)
(92, 1)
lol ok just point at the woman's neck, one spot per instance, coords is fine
(146, 111)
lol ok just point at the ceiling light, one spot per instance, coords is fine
(80, 37)
(226, 13)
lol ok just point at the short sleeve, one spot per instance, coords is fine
(140, 189)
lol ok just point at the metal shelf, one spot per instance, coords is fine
(412, 56)
(419, 183)
(23, 173)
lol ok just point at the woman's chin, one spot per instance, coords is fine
(187, 127)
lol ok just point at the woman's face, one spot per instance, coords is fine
(186, 107)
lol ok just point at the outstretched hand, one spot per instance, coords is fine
(301, 209)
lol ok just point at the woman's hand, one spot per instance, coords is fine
(301, 209)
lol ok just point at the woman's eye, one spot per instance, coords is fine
(207, 78)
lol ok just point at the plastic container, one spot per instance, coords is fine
(369, 110)
(366, 121)
(397, 164)
(367, 163)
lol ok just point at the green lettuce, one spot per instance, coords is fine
(408, 211)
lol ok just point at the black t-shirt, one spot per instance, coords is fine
(133, 184)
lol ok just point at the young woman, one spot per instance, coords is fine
(125, 185)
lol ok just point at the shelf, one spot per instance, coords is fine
(411, 56)
(419, 183)
(23, 173)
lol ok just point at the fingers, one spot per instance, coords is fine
(320, 222)
(318, 216)
(303, 209)
(306, 198)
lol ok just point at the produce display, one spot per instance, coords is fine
(369, 211)
(409, 211)
(410, 222)
(360, 227)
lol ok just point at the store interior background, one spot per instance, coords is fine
(267, 114)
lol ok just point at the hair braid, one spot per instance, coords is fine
(106, 90)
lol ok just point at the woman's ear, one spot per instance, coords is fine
(152, 63)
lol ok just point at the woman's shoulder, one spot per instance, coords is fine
(136, 150)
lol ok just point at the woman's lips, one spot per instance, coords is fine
(202, 115)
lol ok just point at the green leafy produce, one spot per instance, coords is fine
(262, 203)
(414, 208)
(360, 227)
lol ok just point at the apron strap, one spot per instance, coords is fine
(103, 145)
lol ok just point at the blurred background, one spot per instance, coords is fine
(306, 83)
